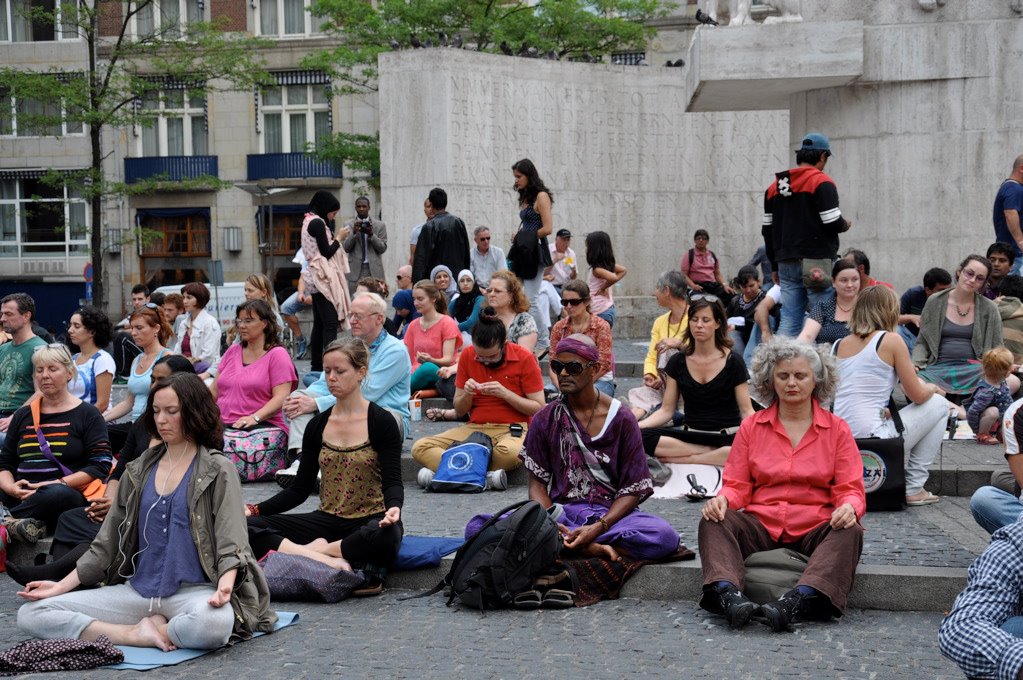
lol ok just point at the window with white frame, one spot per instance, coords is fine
(165, 19)
(22, 117)
(38, 20)
(39, 219)
(286, 18)
(295, 117)
(177, 126)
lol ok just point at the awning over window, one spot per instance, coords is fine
(142, 213)
(302, 78)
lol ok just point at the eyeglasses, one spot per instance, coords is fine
(245, 322)
(571, 303)
(704, 296)
(357, 318)
(491, 361)
(570, 367)
(971, 275)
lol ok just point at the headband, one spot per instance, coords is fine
(578, 348)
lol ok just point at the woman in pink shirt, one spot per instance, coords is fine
(256, 376)
(433, 340)
(796, 473)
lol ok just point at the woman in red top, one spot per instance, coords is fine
(796, 473)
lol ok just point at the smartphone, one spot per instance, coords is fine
(515, 429)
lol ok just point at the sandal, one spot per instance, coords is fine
(438, 414)
(989, 439)
(528, 599)
(372, 588)
(927, 498)
(555, 598)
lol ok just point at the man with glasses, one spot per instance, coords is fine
(485, 259)
(499, 385)
(386, 383)
(585, 454)
(16, 386)
(801, 225)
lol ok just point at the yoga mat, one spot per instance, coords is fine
(148, 658)
(420, 552)
(677, 486)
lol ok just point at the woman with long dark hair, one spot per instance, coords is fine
(535, 201)
(711, 382)
(324, 279)
(90, 330)
(604, 273)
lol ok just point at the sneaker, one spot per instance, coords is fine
(285, 477)
(300, 348)
(26, 530)
(424, 477)
(734, 605)
(794, 607)
(497, 480)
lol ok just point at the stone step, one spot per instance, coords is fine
(877, 587)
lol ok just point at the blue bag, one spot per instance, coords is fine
(463, 467)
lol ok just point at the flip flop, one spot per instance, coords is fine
(555, 598)
(928, 499)
(529, 599)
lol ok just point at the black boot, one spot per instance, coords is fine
(53, 571)
(729, 601)
(795, 607)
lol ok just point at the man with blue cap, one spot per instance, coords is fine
(801, 225)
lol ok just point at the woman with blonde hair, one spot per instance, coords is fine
(871, 359)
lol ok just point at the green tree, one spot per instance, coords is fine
(564, 28)
(129, 52)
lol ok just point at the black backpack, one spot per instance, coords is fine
(504, 558)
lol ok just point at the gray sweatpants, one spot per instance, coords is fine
(193, 623)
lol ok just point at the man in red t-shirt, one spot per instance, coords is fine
(499, 385)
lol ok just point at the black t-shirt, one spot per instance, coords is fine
(77, 438)
(912, 302)
(740, 307)
(711, 405)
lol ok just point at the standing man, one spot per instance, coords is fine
(801, 225)
(413, 237)
(485, 259)
(443, 240)
(1007, 210)
(386, 383)
(17, 311)
(563, 270)
(365, 243)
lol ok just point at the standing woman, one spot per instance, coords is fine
(713, 385)
(90, 330)
(324, 279)
(433, 339)
(604, 273)
(957, 325)
(357, 445)
(575, 297)
(535, 201)
(828, 321)
(199, 334)
(179, 577)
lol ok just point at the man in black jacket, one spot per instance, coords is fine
(443, 240)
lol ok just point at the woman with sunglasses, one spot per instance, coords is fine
(575, 298)
(709, 381)
(957, 325)
(56, 446)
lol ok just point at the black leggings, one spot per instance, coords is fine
(363, 541)
(46, 504)
(324, 329)
(653, 435)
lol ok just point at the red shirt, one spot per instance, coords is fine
(520, 373)
(791, 491)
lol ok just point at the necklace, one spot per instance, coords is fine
(678, 327)
(960, 312)
(843, 308)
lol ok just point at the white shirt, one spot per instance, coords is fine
(562, 269)
(484, 266)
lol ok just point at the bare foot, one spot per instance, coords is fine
(601, 550)
(149, 633)
(318, 544)
(340, 563)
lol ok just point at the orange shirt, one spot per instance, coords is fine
(520, 373)
(791, 491)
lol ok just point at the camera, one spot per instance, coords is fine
(364, 225)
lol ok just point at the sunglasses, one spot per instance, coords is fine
(51, 345)
(704, 296)
(571, 303)
(570, 367)
(151, 305)
(484, 238)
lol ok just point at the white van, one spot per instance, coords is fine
(224, 300)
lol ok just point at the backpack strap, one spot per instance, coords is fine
(44, 445)
(692, 253)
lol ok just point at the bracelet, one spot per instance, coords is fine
(603, 523)
(253, 509)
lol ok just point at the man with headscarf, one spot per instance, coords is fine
(585, 453)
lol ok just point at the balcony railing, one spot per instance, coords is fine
(289, 166)
(169, 168)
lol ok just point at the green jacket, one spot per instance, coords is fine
(218, 528)
(1011, 311)
(987, 327)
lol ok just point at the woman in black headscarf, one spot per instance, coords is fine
(325, 277)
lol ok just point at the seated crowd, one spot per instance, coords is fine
(720, 386)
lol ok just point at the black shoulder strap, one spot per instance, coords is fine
(692, 253)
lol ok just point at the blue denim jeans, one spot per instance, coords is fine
(994, 508)
(906, 335)
(795, 298)
(609, 315)
(1017, 266)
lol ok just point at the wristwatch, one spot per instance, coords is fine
(256, 418)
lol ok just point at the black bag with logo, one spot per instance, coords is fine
(524, 255)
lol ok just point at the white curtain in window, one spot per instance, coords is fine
(151, 139)
(321, 125)
(170, 17)
(144, 19)
(192, 8)
(268, 17)
(272, 138)
(296, 124)
(8, 223)
(27, 109)
(294, 17)
(198, 136)
(78, 229)
(68, 19)
(5, 20)
(21, 25)
(6, 113)
(175, 136)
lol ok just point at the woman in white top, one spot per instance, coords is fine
(89, 330)
(870, 361)
(199, 334)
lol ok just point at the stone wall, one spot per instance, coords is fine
(614, 143)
